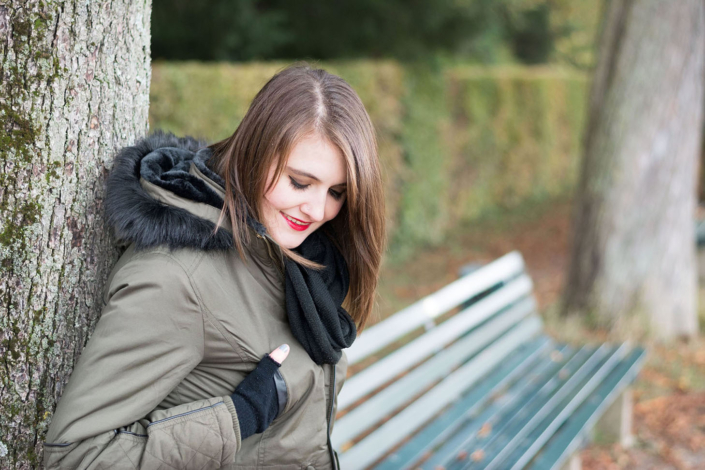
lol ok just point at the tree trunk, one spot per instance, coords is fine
(75, 88)
(633, 261)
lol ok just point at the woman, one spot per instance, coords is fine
(234, 249)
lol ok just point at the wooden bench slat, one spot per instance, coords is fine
(550, 428)
(569, 438)
(527, 385)
(420, 411)
(509, 420)
(385, 332)
(446, 426)
(483, 389)
(605, 356)
(413, 353)
(404, 389)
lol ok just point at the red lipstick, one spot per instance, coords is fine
(297, 227)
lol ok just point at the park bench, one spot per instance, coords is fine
(480, 388)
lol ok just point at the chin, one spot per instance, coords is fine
(291, 246)
(290, 242)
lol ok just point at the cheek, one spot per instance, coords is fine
(333, 208)
(279, 197)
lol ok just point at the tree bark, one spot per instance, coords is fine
(633, 260)
(75, 88)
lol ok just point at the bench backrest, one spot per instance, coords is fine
(403, 388)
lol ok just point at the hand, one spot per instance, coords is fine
(255, 398)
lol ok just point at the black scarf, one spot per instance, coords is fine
(313, 297)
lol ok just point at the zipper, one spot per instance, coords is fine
(329, 414)
(168, 418)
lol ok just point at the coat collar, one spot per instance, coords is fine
(160, 192)
(198, 209)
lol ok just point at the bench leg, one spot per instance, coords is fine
(615, 425)
(573, 463)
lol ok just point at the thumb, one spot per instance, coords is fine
(280, 353)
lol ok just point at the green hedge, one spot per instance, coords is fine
(455, 143)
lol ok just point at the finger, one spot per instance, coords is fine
(280, 353)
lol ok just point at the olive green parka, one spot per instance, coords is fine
(184, 320)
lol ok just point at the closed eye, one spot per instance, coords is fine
(296, 185)
(337, 195)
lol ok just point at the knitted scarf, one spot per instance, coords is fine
(314, 298)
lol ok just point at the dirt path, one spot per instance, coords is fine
(540, 233)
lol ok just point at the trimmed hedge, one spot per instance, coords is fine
(455, 143)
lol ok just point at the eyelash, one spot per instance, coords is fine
(300, 187)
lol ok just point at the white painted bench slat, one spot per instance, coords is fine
(475, 370)
(404, 389)
(412, 417)
(411, 354)
(387, 331)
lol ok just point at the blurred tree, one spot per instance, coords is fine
(75, 87)
(242, 30)
(216, 30)
(633, 260)
(393, 28)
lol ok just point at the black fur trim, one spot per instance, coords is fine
(138, 218)
(168, 168)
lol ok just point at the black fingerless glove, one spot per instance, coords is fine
(256, 400)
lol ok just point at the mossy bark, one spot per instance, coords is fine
(633, 260)
(75, 87)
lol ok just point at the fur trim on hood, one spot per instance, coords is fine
(164, 160)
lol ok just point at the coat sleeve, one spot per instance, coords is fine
(149, 337)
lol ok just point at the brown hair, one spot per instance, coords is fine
(295, 102)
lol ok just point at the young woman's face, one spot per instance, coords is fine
(309, 192)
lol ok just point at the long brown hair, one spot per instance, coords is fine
(295, 102)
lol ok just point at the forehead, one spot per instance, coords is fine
(319, 157)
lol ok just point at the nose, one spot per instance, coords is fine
(315, 208)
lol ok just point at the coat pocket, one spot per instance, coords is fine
(195, 435)
(196, 438)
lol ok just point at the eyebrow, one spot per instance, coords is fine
(309, 175)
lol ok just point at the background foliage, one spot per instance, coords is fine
(456, 141)
(480, 31)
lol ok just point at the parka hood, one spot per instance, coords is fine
(164, 160)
